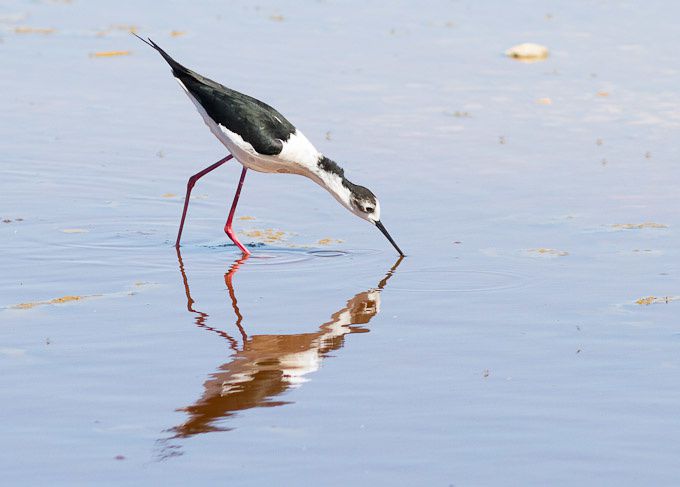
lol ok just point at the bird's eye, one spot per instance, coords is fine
(369, 209)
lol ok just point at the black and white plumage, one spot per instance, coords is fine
(263, 140)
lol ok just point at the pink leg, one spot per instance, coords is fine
(227, 227)
(190, 186)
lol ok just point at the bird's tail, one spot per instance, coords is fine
(176, 67)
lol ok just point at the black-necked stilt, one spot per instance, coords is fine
(260, 138)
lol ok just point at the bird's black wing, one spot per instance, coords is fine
(256, 122)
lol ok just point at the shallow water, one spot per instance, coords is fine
(509, 347)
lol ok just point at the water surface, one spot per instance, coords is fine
(537, 204)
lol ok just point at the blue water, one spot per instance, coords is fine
(508, 348)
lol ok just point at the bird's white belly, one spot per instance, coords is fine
(247, 156)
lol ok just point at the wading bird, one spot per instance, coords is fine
(261, 139)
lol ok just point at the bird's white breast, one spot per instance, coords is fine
(298, 155)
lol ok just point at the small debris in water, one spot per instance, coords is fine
(71, 298)
(74, 230)
(246, 218)
(486, 373)
(125, 27)
(34, 30)
(11, 18)
(544, 101)
(33, 304)
(168, 195)
(654, 300)
(458, 114)
(648, 155)
(599, 142)
(328, 241)
(638, 226)
(501, 139)
(121, 27)
(528, 52)
(12, 352)
(602, 94)
(177, 33)
(119, 457)
(110, 53)
(269, 235)
(550, 252)
(328, 135)
(277, 18)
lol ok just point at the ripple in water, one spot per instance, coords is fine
(458, 280)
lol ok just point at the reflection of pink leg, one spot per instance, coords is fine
(227, 227)
(229, 281)
(190, 186)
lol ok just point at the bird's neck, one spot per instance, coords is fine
(331, 176)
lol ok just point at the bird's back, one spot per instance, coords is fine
(255, 122)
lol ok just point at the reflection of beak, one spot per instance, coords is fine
(384, 231)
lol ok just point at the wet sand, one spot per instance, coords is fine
(530, 336)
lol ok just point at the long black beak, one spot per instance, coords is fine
(384, 231)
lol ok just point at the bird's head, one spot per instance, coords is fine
(364, 204)
(359, 200)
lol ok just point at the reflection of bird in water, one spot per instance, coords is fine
(267, 365)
